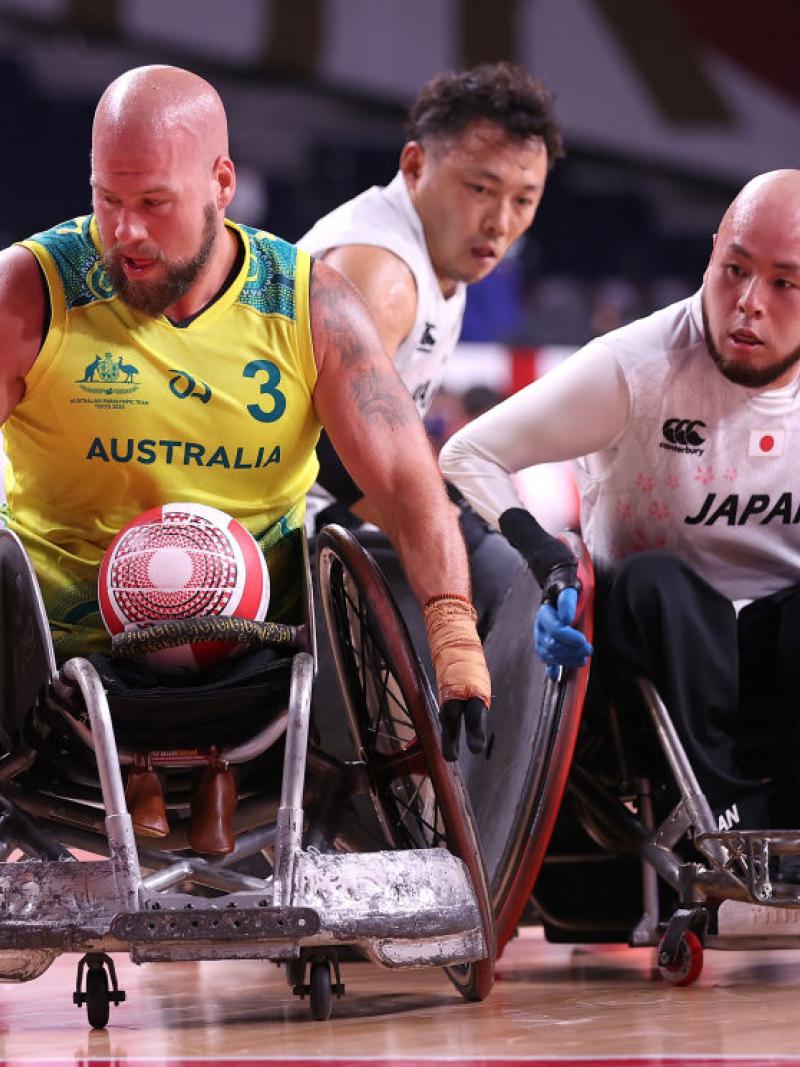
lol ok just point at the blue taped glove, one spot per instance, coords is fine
(557, 643)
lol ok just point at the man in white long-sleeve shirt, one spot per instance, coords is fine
(684, 427)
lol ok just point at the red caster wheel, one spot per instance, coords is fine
(689, 963)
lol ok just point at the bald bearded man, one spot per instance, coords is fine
(155, 351)
(685, 429)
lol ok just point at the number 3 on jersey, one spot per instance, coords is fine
(268, 388)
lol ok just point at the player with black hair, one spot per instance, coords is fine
(471, 177)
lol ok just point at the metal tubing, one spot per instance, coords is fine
(647, 927)
(30, 837)
(119, 826)
(87, 679)
(297, 733)
(263, 740)
(242, 753)
(202, 873)
(695, 801)
(290, 813)
(167, 876)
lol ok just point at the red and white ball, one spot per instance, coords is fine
(182, 561)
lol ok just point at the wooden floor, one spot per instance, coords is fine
(550, 1002)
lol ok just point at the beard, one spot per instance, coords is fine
(153, 298)
(741, 372)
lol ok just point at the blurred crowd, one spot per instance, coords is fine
(560, 309)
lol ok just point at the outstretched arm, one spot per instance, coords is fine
(579, 408)
(374, 427)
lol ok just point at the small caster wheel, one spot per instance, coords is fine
(101, 989)
(98, 1002)
(320, 990)
(686, 968)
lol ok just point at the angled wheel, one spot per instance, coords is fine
(419, 797)
(515, 788)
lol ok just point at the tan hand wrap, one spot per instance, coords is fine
(456, 650)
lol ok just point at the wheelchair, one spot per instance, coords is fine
(635, 826)
(514, 788)
(373, 850)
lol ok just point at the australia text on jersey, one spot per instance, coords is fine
(181, 453)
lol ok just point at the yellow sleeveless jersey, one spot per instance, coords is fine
(124, 411)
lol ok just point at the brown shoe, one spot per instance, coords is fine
(213, 804)
(145, 800)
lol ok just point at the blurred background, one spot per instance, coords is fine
(668, 107)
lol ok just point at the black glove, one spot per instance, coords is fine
(473, 712)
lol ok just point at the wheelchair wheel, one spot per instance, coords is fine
(516, 792)
(97, 999)
(320, 995)
(687, 966)
(419, 797)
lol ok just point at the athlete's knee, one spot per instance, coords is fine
(653, 572)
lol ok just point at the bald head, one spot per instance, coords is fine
(161, 183)
(768, 199)
(153, 102)
(751, 288)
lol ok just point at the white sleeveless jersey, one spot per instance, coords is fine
(705, 468)
(385, 217)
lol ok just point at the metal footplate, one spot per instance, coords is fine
(759, 858)
(216, 924)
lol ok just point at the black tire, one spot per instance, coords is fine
(320, 998)
(97, 999)
(516, 789)
(419, 797)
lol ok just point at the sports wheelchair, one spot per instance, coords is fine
(633, 822)
(375, 850)
(515, 787)
(570, 793)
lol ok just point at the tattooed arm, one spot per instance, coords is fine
(374, 427)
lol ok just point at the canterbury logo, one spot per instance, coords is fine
(683, 432)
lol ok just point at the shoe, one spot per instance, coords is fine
(213, 804)
(145, 800)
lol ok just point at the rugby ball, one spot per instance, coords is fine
(182, 561)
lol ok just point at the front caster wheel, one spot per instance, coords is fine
(98, 1005)
(320, 990)
(101, 990)
(685, 968)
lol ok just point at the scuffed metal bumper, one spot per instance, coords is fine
(411, 908)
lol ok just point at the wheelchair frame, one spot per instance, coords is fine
(727, 897)
(415, 907)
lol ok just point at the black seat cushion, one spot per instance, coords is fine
(222, 706)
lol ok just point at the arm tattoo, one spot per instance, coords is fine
(377, 391)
